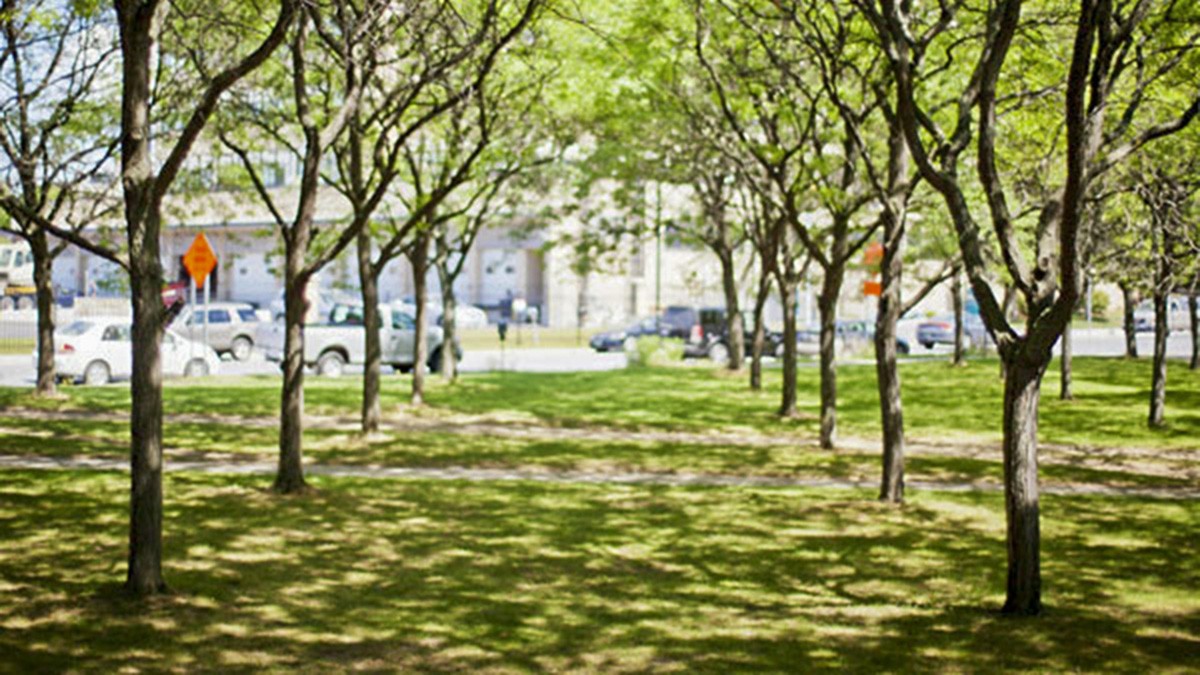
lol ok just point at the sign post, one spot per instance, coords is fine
(200, 261)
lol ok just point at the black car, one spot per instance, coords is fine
(680, 322)
(709, 337)
(617, 340)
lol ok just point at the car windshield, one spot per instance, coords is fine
(77, 328)
(247, 315)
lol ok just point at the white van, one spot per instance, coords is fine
(16, 276)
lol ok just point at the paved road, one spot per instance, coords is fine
(19, 370)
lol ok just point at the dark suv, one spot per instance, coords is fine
(679, 321)
(709, 337)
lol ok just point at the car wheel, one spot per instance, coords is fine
(402, 368)
(435, 361)
(241, 348)
(927, 345)
(97, 373)
(719, 353)
(902, 347)
(331, 364)
(196, 368)
(7, 303)
(25, 303)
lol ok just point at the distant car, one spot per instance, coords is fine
(616, 340)
(680, 322)
(1177, 315)
(808, 343)
(231, 327)
(857, 334)
(97, 350)
(709, 338)
(940, 331)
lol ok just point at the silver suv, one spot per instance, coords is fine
(231, 327)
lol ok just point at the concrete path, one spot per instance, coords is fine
(569, 477)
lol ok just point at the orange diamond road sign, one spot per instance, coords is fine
(200, 260)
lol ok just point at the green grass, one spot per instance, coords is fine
(213, 441)
(17, 346)
(939, 401)
(522, 336)
(398, 575)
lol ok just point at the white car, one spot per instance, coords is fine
(97, 350)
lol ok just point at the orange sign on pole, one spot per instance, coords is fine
(200, 260)
(872, 287)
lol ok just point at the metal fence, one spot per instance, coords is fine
(18, 327)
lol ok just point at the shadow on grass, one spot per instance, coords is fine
(456, 576)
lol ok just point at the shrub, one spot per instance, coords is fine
(655, 351)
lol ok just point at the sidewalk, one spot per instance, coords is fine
(568, 477)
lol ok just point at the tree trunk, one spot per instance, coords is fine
(787, 407)
(735, 327)
(1129, 300)
(420, 267)
(1194, 322)
(956, 290)
(373, 354)
(827, 305)
(1064, 363)
(760, 333)
(887, 375)
(143, 220)
(1022, 391)
(43, 280)
(449, 324)
(290, 476)
(891, 272)
(1158, 386)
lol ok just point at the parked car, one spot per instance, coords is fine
(616, 340)
(340, 340)
(709, 338)
(861, 334)
(97, 350)
(808, 343)
(680, 322)
(232, 327)
(1177, 315)
(940, 331)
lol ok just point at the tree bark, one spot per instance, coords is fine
(1064, 392)
(1022, 391)
(891, 274)
(735, 327)
(449, 325)
(831, 286)
(1128, 323)
(290, 475)
(956, 289)
(373, 354)
(419, 258)
(139, 25)
(43, 281)
(787, 406)
(760, 333)
(1158, 385)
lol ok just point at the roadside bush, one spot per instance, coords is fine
(655, 351)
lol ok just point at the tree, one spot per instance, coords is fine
(1103, 53)
(145, 183)
(1167, 192)
(53, 62)
(790, 123)
(457, 52)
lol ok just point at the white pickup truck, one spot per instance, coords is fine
(340, 340)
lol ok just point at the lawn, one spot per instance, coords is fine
(400, 575)
(940, 401)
